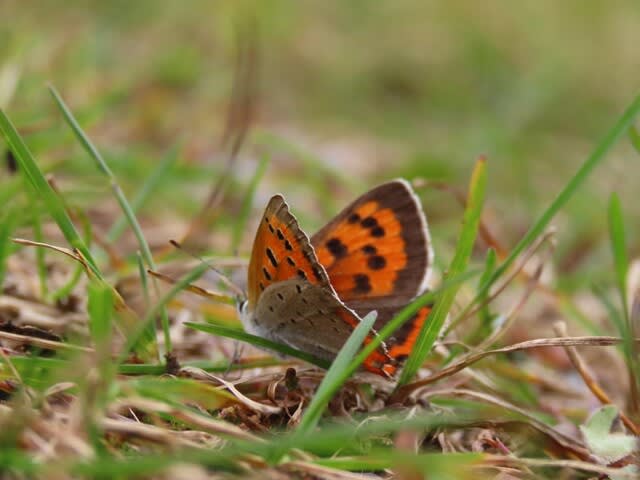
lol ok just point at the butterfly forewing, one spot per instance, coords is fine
(281, 251)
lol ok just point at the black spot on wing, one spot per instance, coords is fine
(369, 222)
(272, 257)
(369, 250)
(291, 262)
(376, 262)
(266, 273)
(336, 248)
(362, 283)
(287, 245)
(377, 232)
(353, 218)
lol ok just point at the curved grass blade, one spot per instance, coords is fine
(619, 250)
(621, 264)
(333, 380)
(330, 384)
(468, 234)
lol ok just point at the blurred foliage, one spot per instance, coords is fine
(371, 89)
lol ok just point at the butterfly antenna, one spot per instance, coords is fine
(225, 279)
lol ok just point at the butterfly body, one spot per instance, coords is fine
(311, 293)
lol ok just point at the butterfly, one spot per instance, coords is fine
(310, 293)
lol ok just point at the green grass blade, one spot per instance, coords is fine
(404, 315)
(489, 267)
(36, 221)
(206, 365)
(470, 222)
(41, 262)
(66, 289)
(621, 265)
(7, 225)
(100, 308)
(330, 384)
(432, 465)
(245, 210)
(334, 378)
(50, 199)
(599, 153)
(144, 279)
(619, 249)
(634, 136)
(149, 186)
(260, 342)
(120, 197)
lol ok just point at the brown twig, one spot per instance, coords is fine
(573, 464)
(561, 329)
(405, 390)
(40, 342)
(197, 420)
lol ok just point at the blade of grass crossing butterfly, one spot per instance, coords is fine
(403, 316)
(470, 222)
(333, 380)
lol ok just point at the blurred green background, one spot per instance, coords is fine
(349, 94)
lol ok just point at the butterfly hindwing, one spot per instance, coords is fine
(310, 318)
